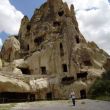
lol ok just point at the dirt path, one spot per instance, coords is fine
(64, 105)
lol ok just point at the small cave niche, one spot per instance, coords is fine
(64, 67)
(61, 50)
(87, 63)
(25, 71)
(61, 13)
(67, 80)
(56, 23)
(49, 96)
(82, 75)
(77, 39)
(43, 70)
(39, 40)
(28, 27)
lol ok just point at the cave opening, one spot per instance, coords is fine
(28, 47)
(61, 13)
(56, 23)
(65, 69)
(87, 63)
(83, 94)
(6, 97)
(67, 80)
(61, 50)
(43, 70)
(77, 39)
(28, 27)
(82, 75)
(49, 96)
(25, 71)
(39, 40)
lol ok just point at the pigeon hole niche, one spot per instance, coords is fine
(61, 50)
(64, 67)
(39, 40)
(56, 23)
(67, 80)
(77, 39)
(82, 75)
(43, 70)
(28, 27)
(61, 13)
(87, 62)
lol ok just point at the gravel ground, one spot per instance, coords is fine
(64, 105)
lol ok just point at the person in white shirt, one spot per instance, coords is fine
(72, 95)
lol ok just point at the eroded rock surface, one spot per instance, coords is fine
(54, 57)
(10, 49)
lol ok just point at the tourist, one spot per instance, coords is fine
(72, 95)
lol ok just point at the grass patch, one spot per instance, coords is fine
(6, 106)
(104, 98)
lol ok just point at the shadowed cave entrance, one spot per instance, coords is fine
(87, 63)
(43, 70)
(65, 68)
(83, 94)
(67, 80)
(49, 96)
(77, 39)
(82, 75)
(25, 71)
(61, 50)
(61, 13)
(56, 23)
(39, 40)
(6, 97)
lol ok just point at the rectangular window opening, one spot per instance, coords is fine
(65, 68)
(43, 70)
(82, 75)
(61, 50)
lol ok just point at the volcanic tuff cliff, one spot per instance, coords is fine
(51, 55)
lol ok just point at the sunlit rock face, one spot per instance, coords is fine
(51, 57)
(10, 49)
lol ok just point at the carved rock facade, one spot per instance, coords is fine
(54, 57)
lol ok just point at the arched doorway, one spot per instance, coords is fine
(49, 96)
(83, 94)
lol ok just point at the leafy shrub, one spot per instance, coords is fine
(101, 87)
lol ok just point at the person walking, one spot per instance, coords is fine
(72, 95)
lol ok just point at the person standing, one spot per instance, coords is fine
(72, 95)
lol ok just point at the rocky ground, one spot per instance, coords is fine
(63, 105)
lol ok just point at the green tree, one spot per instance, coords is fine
(101, 87)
